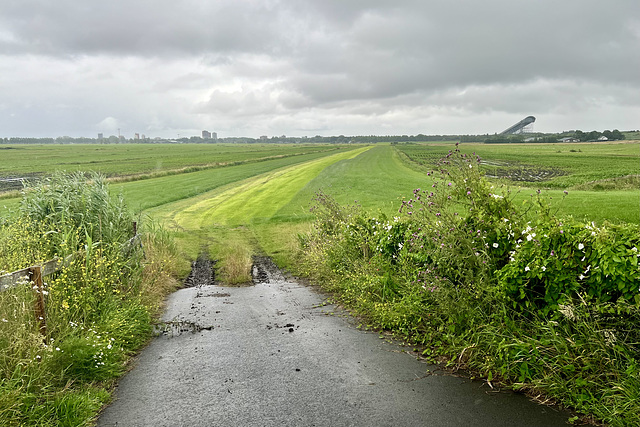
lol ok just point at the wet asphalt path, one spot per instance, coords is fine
(273, 355)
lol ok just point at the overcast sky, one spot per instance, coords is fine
(316, 67)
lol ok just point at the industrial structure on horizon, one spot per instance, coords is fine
(523, 126)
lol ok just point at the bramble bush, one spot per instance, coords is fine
(510, 291)
(556, 260)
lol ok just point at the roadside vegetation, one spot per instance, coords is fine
(512, 292)
(99, 305)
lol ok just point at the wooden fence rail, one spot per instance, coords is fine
(33, 275)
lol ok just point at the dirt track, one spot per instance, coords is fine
(277, 354)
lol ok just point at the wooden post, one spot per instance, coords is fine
(35, 274)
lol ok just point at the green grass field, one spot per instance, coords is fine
(376, 179)
(129, 159)
(566, 165)
(248, 199)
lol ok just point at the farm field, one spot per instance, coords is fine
(220, 165)
(129, 159)
(562, 166)
(585, 170)
(377, 178)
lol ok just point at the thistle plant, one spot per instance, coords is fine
(462, 226)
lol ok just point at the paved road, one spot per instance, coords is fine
(273, 355)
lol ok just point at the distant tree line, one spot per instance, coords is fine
(594, 135)
(579, 135)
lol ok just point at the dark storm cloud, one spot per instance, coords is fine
(359, 61)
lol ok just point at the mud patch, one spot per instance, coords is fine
(15, 182)
(202, 272)
(176, 328)
(519, 172)
(265, 271)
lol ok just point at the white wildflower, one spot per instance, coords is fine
(495, 245)
(527, 268)
(567, 311)
(580, 246)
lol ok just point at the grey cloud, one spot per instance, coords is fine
(273, 62)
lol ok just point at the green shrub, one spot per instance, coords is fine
(78, 209)
(555, 260)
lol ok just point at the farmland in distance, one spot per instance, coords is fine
(601, 178)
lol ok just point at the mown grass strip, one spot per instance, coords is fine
(154, 192)
(260, 197)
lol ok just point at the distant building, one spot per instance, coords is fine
(136, 136)
(214, 135)
(264, 137)
(100, 137)
(206, 134)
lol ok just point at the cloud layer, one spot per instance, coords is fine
(316, 67)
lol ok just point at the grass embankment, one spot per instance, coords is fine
(99, 306)
(224, 215)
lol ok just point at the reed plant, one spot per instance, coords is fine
(99, 304)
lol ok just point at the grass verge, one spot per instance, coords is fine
(99, 306)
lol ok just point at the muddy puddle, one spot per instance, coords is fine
(202, 279)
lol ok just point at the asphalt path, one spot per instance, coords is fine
(275, 354)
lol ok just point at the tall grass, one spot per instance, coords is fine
(99, 305)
